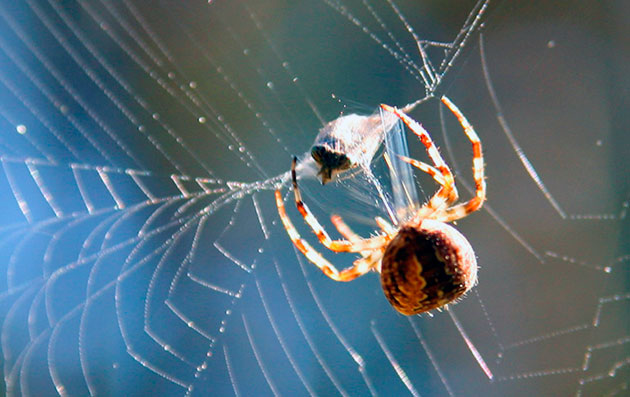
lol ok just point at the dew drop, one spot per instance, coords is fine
(270, 85)
(202, 120)
(551, 44)
(21, 129)
(192, 84)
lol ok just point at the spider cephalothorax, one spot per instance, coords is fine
(424, 262)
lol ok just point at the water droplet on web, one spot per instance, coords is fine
(21, 129)
(202, 120)
(270, 85)
(192, 84)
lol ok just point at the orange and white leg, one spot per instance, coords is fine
(461, 210)
(441, 198)
(371, 258)
(361, 266)
(435, 174)
(349, 234)
(320, 232)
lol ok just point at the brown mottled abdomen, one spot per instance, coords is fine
(426, 268)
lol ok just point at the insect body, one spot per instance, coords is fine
(424, 262)
(348, 141)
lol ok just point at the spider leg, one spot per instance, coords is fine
(322, 235)
(461, 210)
(347, 232)
(344, 229)
(443, 196)
(361, 266)
(386, 227)
(372, 261)
(435, 174)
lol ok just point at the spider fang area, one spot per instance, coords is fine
(427, 267)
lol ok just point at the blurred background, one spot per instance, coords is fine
(140, 246)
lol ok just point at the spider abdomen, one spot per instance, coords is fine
(427, 267)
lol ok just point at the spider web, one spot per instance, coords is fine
(141, 251)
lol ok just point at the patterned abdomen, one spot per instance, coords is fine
(427, 267)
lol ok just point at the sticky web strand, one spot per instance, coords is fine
(523, 157)
(392, 360)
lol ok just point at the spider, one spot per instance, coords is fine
(424, 263)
